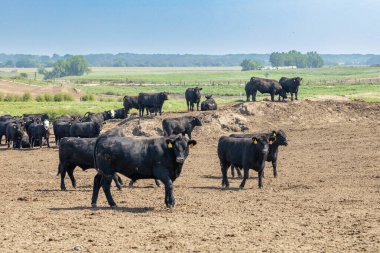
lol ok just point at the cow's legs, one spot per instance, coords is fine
(261, 174)
(232, 170)
(162, 174)
(272, 96)
(47, 142)
(95, 190)
(238, 172)
(198, 106)
(296, 95)
(291, 94)
(41, 142)
(248, 95)
(188, 105)
(63, 175)
(246, 175)
(254, 95)
(274, 164)
(70, 172)
(224, 168)
(106, 185)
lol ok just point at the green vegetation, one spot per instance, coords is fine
(294, 58)
(249, 65)
(71, 66)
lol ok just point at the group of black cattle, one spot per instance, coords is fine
(159, 158)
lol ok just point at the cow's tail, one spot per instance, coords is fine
(94, 153)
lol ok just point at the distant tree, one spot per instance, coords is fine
(70, 66)
(9, 64)
(249, 65)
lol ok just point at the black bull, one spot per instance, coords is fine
(139, 158)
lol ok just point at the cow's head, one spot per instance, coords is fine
(280, 137)
(208, 96)
(262, 143)
(163, 96)
(197, 92)
(180, 146)
(297, 81)
(46, 124)
(196, 121)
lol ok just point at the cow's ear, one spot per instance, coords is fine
(200, 88)
(254, 140)
(192, 143)
(169, 143)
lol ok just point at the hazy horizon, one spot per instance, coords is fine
(210, 27)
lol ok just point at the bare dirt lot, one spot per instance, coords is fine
(326, 197)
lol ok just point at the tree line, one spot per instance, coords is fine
(295, 58)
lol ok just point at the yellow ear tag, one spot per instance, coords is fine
(170, 145)
(255, 142)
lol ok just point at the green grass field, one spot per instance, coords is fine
(225, 83)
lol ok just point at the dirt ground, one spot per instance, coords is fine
(326, 197)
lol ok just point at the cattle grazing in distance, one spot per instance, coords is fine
(75, 152)
(153, 100)
(182, 125)
(3, 127)
(139, 158)
(209, 104)
(263, 85)
(290, 85)
(14, 134)
(245, 153)
(278, 139)
(193, 96)
(38, 132)
(130, 102)
(98, 117)
(86, 129)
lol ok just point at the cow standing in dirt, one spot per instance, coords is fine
(245, 153)
(263, 85)
(290, 85)
(153, 101)
(139, 158)
(182, 125)
(193, 96)
(130, 102)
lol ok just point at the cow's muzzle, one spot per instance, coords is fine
(180, 160)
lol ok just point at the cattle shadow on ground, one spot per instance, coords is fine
(229, 178)
(218, 188)
(116, 209)
(59, 190)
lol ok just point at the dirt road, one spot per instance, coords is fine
(326, 197)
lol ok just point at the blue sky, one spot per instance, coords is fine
(189, 26)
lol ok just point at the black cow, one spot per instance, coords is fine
(209, 104)
(14, 134)
(85, 129)
(153, 100)
(79, 152)
(61, 129)
(193, 96)
(245, 153)
(98, 117)
(137, 158)
(182, 125)
(120, 113)
(38, 132)
(6, 117)
(290, 85)
(41, 116)
(278, 139)
(69, 118)
(130, 102)
(3, 127)
(264, 86)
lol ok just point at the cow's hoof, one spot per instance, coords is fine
(93, 205)
(113, 206)
(170, 206)
(63, 189)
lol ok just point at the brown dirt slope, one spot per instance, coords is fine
(326, 197)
